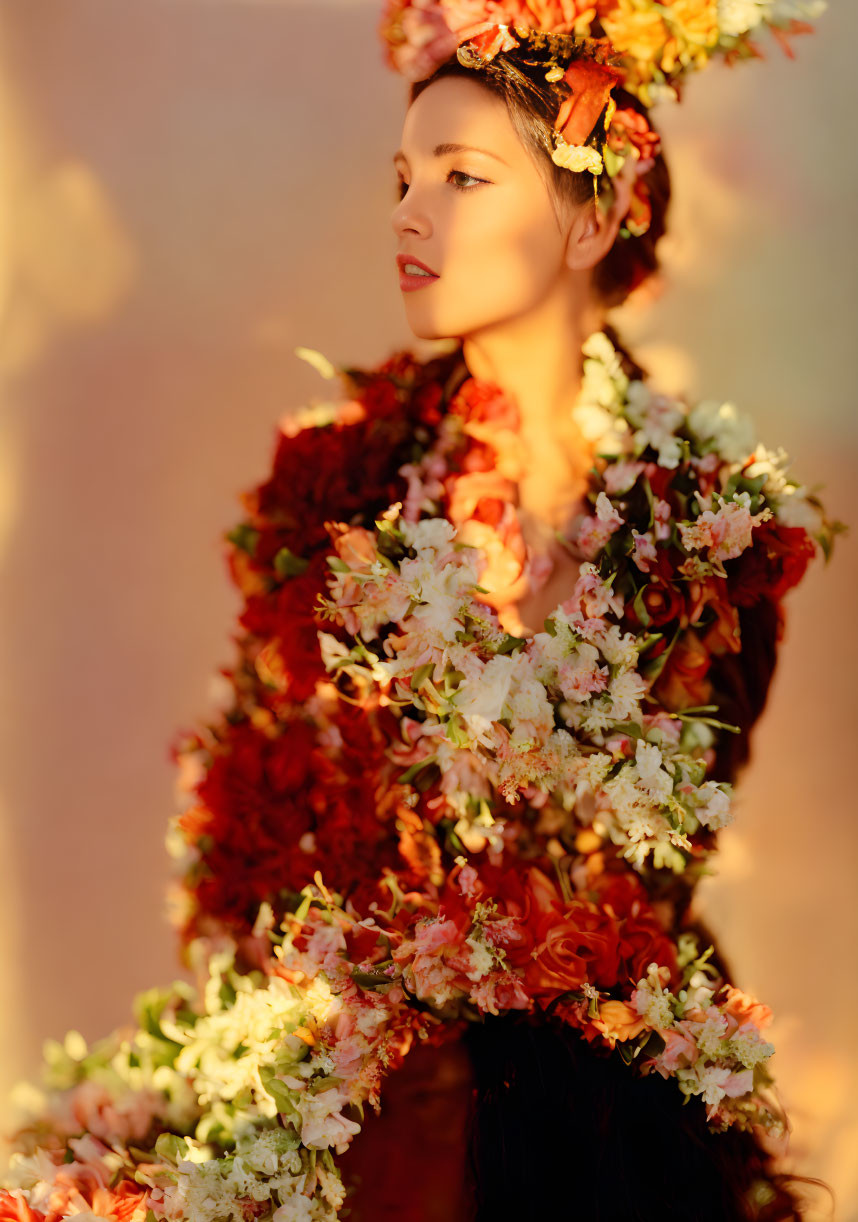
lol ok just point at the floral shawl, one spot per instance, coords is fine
(406, 818)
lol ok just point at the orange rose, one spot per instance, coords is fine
(745, 1008)
(683, 684)
(579, 946)
(618, 1021)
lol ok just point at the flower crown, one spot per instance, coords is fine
(587, 48)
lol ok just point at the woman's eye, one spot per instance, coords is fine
(468, 186)
(460, 174)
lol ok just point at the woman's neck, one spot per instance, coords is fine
(537, 361)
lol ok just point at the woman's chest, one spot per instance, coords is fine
(532, 608)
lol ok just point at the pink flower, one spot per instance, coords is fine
(662, 515)
(644, 554)
(620, 476)
(680, 1050)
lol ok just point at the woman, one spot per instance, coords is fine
(525, 267)
(509, 617)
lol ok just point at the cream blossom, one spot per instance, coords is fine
(723, 427)
(737, 17)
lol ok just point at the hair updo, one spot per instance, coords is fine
(533, 104)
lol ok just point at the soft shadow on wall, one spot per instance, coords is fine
(190, 189)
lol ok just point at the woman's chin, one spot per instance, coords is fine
(430, 325)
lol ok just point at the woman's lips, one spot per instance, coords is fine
(409, 281)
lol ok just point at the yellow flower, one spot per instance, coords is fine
(577, 157)
(669, 37)
(636, 29)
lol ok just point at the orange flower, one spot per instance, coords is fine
(683, 683)
(745, 1008)
(13, 1208)
(618, 1021)
(634, 31)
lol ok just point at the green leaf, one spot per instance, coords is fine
(275, 1088)
(639, 608)
(244, 537)
(319, 362)
(411, 773)
(370, 980)
(421, 675)
(287, 564)
(510, 643)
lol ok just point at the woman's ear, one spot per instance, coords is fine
(595, 226)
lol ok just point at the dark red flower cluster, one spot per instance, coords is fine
(273, 810)
(775, 563)
(559, 944)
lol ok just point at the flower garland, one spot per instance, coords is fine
(491, 823)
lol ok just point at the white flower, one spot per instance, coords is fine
(481, 702)
(748, 1046)
(724, 428)
(715, 811)
(656, 418)
(655, 779)
(653, 1002)
(736, 17)
(798, 10)
(606, 511)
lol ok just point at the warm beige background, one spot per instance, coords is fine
(190, 188)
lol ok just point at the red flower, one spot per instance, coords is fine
(641, 936)
(579, 945)
(683, 683)
(286, 618)
(662, 602)
(628, 124)
(272, 811)
(775, 562)
(14, 1208)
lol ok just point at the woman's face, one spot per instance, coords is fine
(483, 221)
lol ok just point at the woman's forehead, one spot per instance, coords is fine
(456, 111)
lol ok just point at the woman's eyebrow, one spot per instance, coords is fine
(441, 150)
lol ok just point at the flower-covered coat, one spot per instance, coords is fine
(407, 817)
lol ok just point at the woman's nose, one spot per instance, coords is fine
(408, 217)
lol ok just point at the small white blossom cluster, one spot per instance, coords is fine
(561, 711)
(241, 1069)
(623, 417)
(724, 532)
(715, 1050)
(267, 1167)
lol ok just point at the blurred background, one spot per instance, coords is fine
(188, 190)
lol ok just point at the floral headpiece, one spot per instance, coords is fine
(587, 48)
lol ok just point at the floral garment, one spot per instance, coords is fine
(407, 818)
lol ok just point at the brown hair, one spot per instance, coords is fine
(532, 104)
